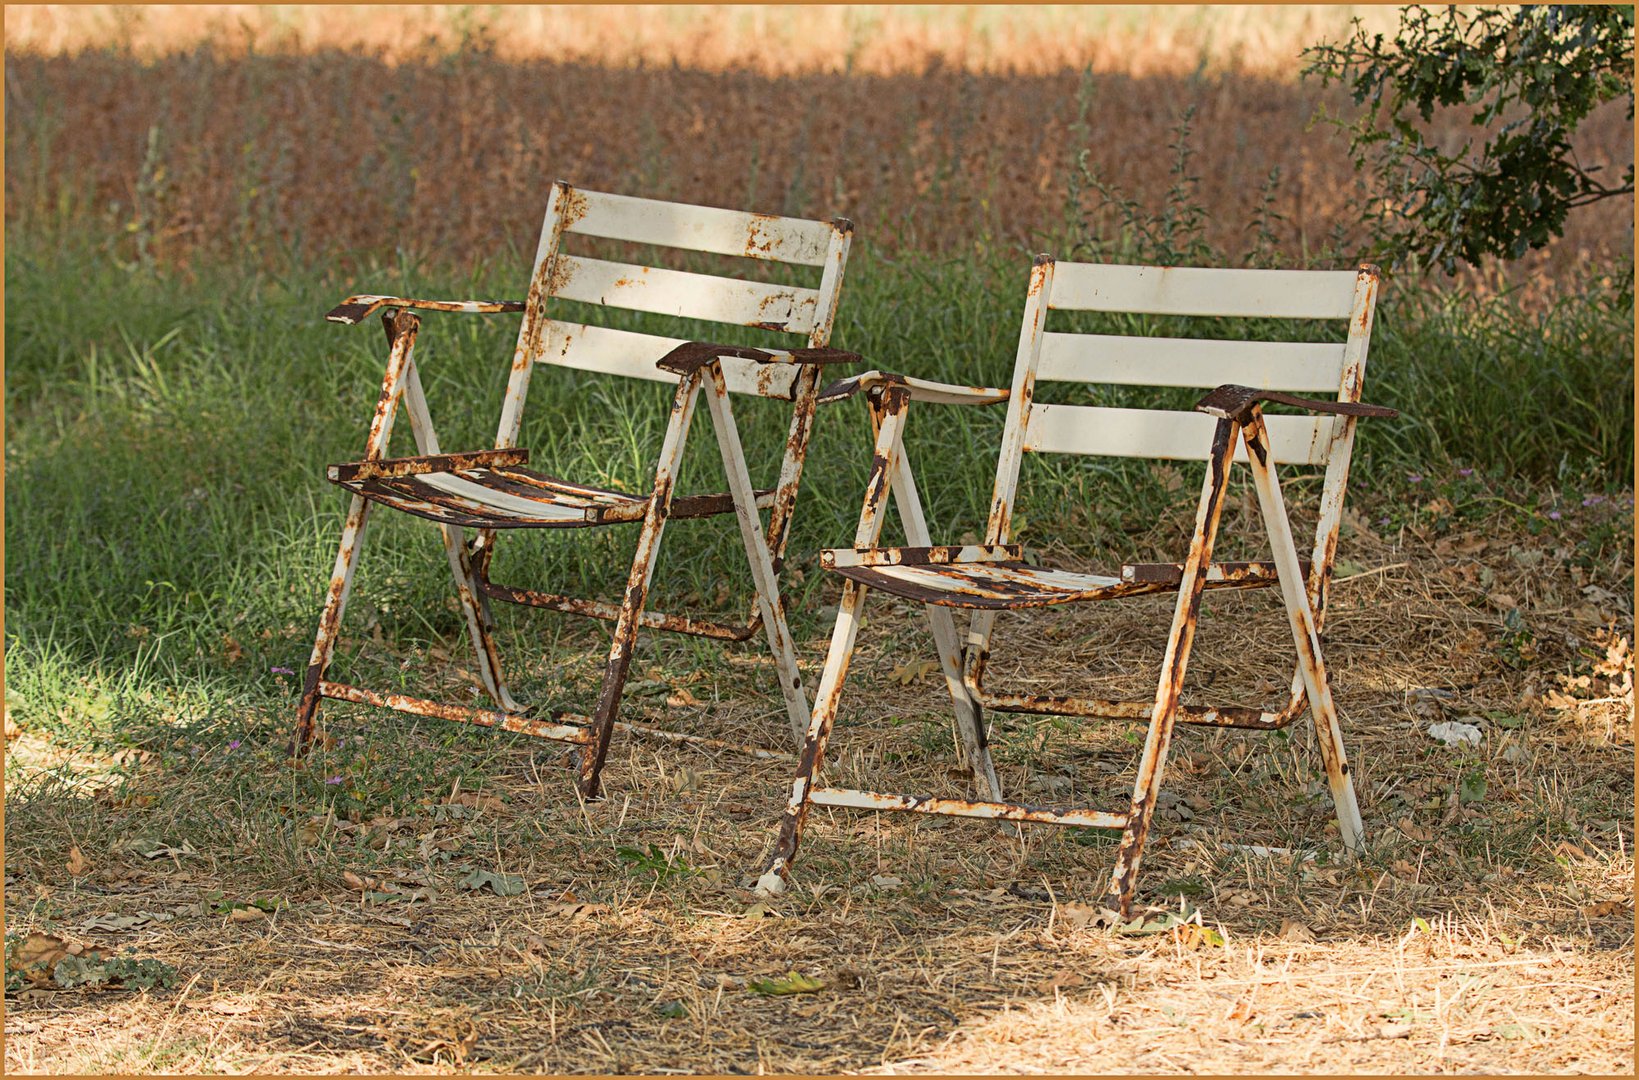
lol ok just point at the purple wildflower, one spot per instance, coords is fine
(1553, 515)
(281, 671)
(1465, 473)
(334, 780)
(1593, 500)
(1416, 477)
(234, 745)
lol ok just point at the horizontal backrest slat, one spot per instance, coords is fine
(625, 352)
(691, 296)
(1184, 290)
(697, 228)
(1160, 433)
(1206, 363)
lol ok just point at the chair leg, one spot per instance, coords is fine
(974, 741)
(474, 604)
(888, 417)
(758, 556)
(826, 699)
(335, 604)
(637, 586)
(1152, 765)
(401, 334)
(1306, 636)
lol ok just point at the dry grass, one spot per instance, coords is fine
(772, 40)
(328, 144)
(1492, 936)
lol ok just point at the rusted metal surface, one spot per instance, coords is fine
(522, 725)
(1244, 574)
(995, 811)
(427, 463)
(921, 389)
(637, 584)
(565, 727)
(932, 555)
(355, 309)
(1305, 636)
(1152, 762)
(992, 576)
(693, 355)
(490, 491)
(1236, 403)
(1231, 716)
(402, 332)
(889, 406)
(598, 609)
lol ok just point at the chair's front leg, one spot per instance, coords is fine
(827, 697)
(401, 331)
(1152, 764)
(637, 584)
(763, 574)
(1305, 635)
(970, 727)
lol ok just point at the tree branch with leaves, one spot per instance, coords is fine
(1527, 77)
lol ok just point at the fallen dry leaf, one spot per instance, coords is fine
(1074, 916)
(1292, 930)
(912, 670)
(1061, 979)
(1605, 908)
(77, 862)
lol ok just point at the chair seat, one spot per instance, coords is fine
(992, 584)
(1009, 583)
(513, 497)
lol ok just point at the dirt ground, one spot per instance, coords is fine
(1490, 929)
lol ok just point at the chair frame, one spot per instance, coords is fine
(1240, 426)
(698, 368)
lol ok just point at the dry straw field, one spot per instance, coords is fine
(333, 131)
(188, 188)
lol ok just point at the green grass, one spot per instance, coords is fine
(170, 531)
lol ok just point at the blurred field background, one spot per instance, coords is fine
(188, 189)
(320, 133)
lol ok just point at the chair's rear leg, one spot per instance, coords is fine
(637, 586)
(1306, 636)
(758, 555)
(1152, 765)
(473, 607)
(888, 416)
(335, 604)
(970, 727)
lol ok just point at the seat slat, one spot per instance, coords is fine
(1164, 433)
(692, 296)
(1187, 290)
(1204, 363)
(698, 228)
(626, 352)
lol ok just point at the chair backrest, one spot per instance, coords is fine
(1324, 369)
(789, 309)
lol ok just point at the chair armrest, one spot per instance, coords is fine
(355, 309)
(920, 389)
(1234, 402)
(693, 355)
(384, 468)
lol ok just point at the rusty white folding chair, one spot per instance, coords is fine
(1228, 425)
(491, 490)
